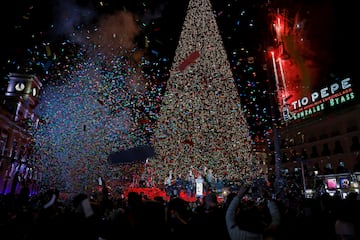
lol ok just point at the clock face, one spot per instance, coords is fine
(19, 86)
(34, 92)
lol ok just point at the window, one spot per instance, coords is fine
(314, 152)
(326, 150)
(338, 148)
(304, 154)
(355, 146)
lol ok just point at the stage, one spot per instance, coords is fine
(151, 193)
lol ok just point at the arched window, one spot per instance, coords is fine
(326, 150)
(314, 152)
(355, 146)
(338, 148)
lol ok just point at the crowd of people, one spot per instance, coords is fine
(249, 212)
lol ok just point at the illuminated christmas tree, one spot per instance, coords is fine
(201, 125)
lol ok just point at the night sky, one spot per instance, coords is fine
(44, 37)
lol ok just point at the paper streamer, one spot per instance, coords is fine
(189, 60)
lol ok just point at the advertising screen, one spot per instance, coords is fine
(344, 183)
(331, 183)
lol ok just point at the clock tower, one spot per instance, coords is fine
(22, 92)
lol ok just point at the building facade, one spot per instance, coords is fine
(16, 117)
(327, 145)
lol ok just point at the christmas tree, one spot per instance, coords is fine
(201, 126)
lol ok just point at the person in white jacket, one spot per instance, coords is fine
(256, 224)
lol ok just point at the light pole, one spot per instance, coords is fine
(278, 175)
(303, 176)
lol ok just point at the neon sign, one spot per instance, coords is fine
(323, 93)
(330, 96)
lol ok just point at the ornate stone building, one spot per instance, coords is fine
(18, 103)
(323, 139)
